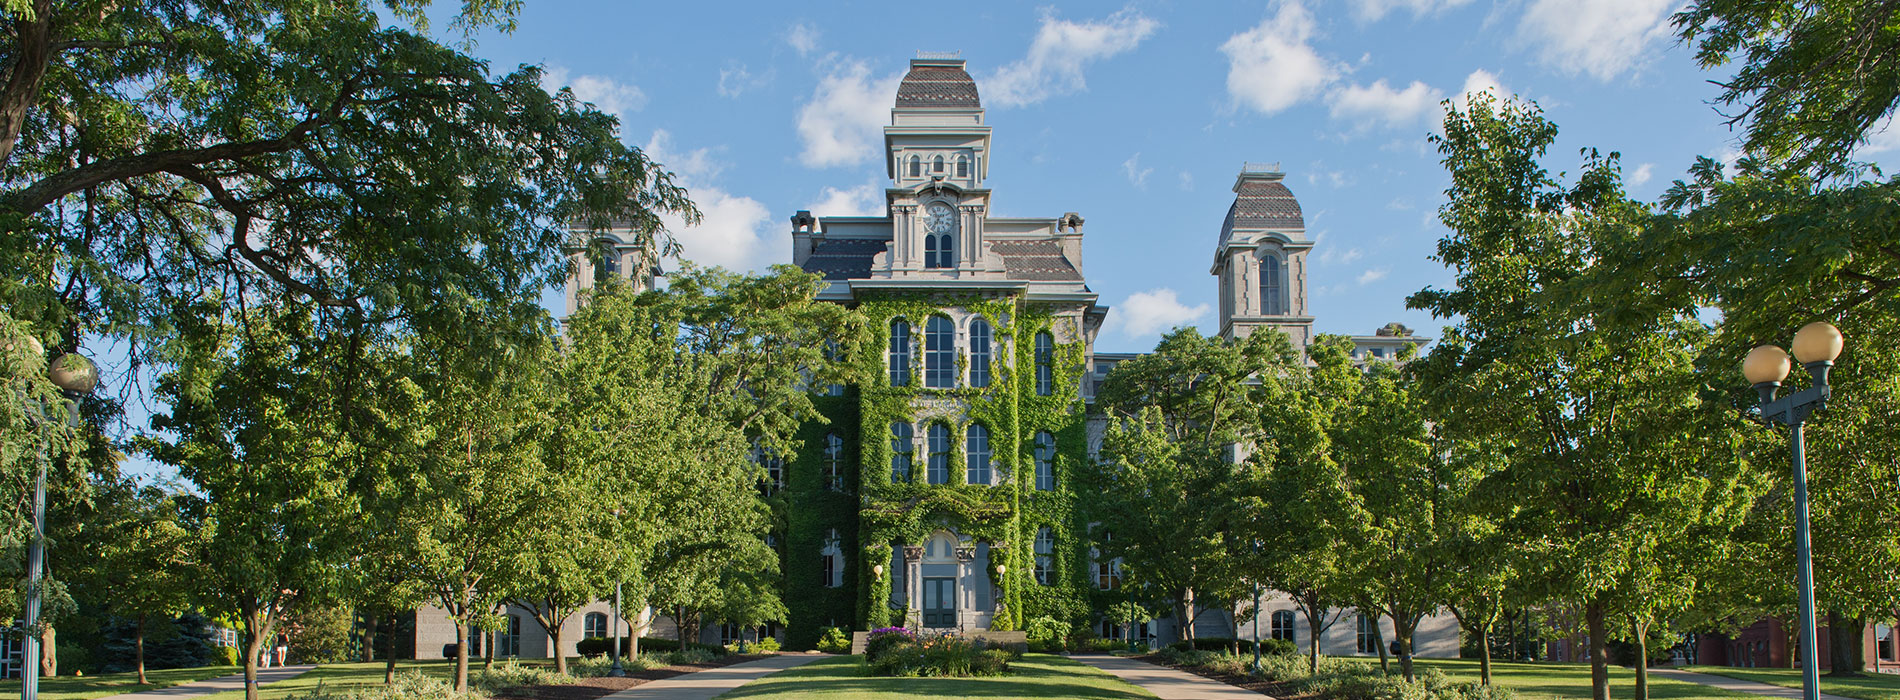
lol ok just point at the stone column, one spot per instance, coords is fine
(913, 583)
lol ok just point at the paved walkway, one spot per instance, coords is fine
(1735, 684)
(265, 676)
(1167, 683)
(711, 683)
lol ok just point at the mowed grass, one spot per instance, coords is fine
(351, 675)
(1035, 676)
(1554, 680)
(1870, 686)
(68, 687)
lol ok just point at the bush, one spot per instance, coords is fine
(408, 685)
(657, 644)
(834, 641)
(1047, 629)
(1215, 644)
(991, 662)
(598, 646)
(695, 655)
(902, 654)
(1279, 647)
(883, 639)
(226, 656)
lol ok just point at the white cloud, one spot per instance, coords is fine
(1373, 275)
(1373, 10)
(1642, 174)
(1187, 181)
(1272, 66)
(1137, 175)
(1881, 139)
(606, 94)
(1482, 81)
(1332, 255)
(1601, 38)
(803, 38)
(1058, 54)
(1153, 311)
(863, 200)
(847, 112)
(1381, 103)
(737, 78)
(733, 231)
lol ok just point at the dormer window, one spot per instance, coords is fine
(938, 167)
(916, 166)
(963, 166)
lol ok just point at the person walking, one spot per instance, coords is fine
(283, 648)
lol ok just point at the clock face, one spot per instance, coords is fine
(940, 218)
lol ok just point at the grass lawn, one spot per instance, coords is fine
(66, 687)
(1872, 686)
(335, 676)
(1552, 680)
(1035, 676)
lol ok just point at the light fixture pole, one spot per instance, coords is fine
(1815, 345)
(617, 671)
(74, 375)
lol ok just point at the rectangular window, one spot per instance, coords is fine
(1045, 461)
(1108, 574)
(1283, 625)
(1368, 634)
(979, 353)
(1045, 555)
(900, 353)
(834, 462)
(1045, 364)
(940, 353)
(938, 471)
(977, 447)
(900, 452)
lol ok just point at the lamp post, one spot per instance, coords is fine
(617, 671)
(1815, 345)
(74, 375)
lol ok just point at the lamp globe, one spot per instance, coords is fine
(1765, 364)
(73, 373)
(1819, 341)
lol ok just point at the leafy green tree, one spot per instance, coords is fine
(1165, 480)
(252, 426)
(145, 558)
(568, 559)
(1815, 77)
(1618, 439)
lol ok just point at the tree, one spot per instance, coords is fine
(1165, 478)
(567, 560)
(1601, 396)
(252, 426)
(146, 558)
(1815, 76)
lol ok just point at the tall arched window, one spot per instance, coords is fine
(1045, 364)
(938, 254)
(979, 353)
(940, 353)
(834, 462)
(900, 352)
(963, 166)
(976, 448)
(1283, 625)
(916, 166)
(508, 640)
(938, 437)
(1272, 287)
(594, 626)
(1045, 555)
(900, 452)
(939, 165)
(1045, 461)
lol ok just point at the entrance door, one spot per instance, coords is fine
(940, 602)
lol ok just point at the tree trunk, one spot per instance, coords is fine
(1484, 658)
(256, 628)
(1187, 615)
(369, 637)
(1642, 658)
(1313, 628)
(138, 648)
(560, 657)
(1844, 645)
(31, 52)
(49, 658)
(389, 650)
(461, 656)
(1599, 651)
(488, 648)
(679, 618)
(1404, 631)
(1378, 637)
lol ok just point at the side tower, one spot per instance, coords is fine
(618, 254)
(1261, 259)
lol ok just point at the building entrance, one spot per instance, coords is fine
(940, 602)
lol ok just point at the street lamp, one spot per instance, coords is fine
(74, 375)
(613, 644)
(1816, 346)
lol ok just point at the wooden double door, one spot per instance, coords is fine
(940, 602)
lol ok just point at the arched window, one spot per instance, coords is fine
(1045, 461)
(594, 626)
(963, 166)
(939, 165)
(976, 448)
(834, 462)
(1283, 625)
(900, 352)
(1045, 364)
(900, 452)
(833, 555)
(1272, 287)
(916, 166)
(979, 353)
(938, 437)
(1045, 555)
(609, 262)
(940, 353)
(508, 640)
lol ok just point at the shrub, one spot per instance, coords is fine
(598, 646)
(226, 656)
(1216, 644)
(695, 655)
(1047, 629)
(991, 662)
(512, 674)
(408, 685)
(1046, 646)
(883, 639)
(1279, 647)
(900, 653)
(834, 641)
(657, 644)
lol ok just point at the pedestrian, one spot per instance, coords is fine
(283, 648)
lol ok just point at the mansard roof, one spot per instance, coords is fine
(937, 83)
(1035, 261)
(844, 258)
(1261, 203)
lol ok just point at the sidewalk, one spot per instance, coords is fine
(1167, 683)
(265, 676)
(1735, 684)
(705, 685)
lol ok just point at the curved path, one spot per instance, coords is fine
(1735, 684)
(1167, 683)
(711, 683)
(265, 676)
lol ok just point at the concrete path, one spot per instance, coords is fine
(711, 683)
(1735, 684)
(1167, 683)
(265, 676)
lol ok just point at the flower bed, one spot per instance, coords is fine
(897, 651)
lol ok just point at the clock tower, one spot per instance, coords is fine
(937, 153)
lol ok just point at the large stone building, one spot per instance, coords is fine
(940, 494)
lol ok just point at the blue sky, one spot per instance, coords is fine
(1138, 116)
